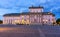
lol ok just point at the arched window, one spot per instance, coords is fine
(35, 20)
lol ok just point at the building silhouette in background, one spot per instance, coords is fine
(36, 15)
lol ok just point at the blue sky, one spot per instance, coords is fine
(17, 6)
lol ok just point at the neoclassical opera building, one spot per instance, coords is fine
(36, 15)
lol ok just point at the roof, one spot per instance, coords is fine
(32, 7)
(28, 13)
(48, 13)
(12, 14)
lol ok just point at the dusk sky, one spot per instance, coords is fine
(18, 6)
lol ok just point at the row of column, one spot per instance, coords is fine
(35, 19)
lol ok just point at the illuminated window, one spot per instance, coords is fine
(43, 20)
(46, 20)
(16, 21)
(22, 16)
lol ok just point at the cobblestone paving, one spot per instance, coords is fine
(18, 32)
(29, 31)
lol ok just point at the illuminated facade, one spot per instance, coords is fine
(36, 15)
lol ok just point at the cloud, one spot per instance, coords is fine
(41, 1)
(14, 6)
(7, 3)
(54, 8)
(23, 10)
(5, 11)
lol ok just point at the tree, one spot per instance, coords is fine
(1, 21)
(58, 21)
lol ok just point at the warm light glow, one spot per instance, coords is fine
(17, 21)
(46, 20)
(22, 16)
(5, 29)
(43, 20)
(59, 22)
(52, 21)
(23, 22)
(27, 22)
